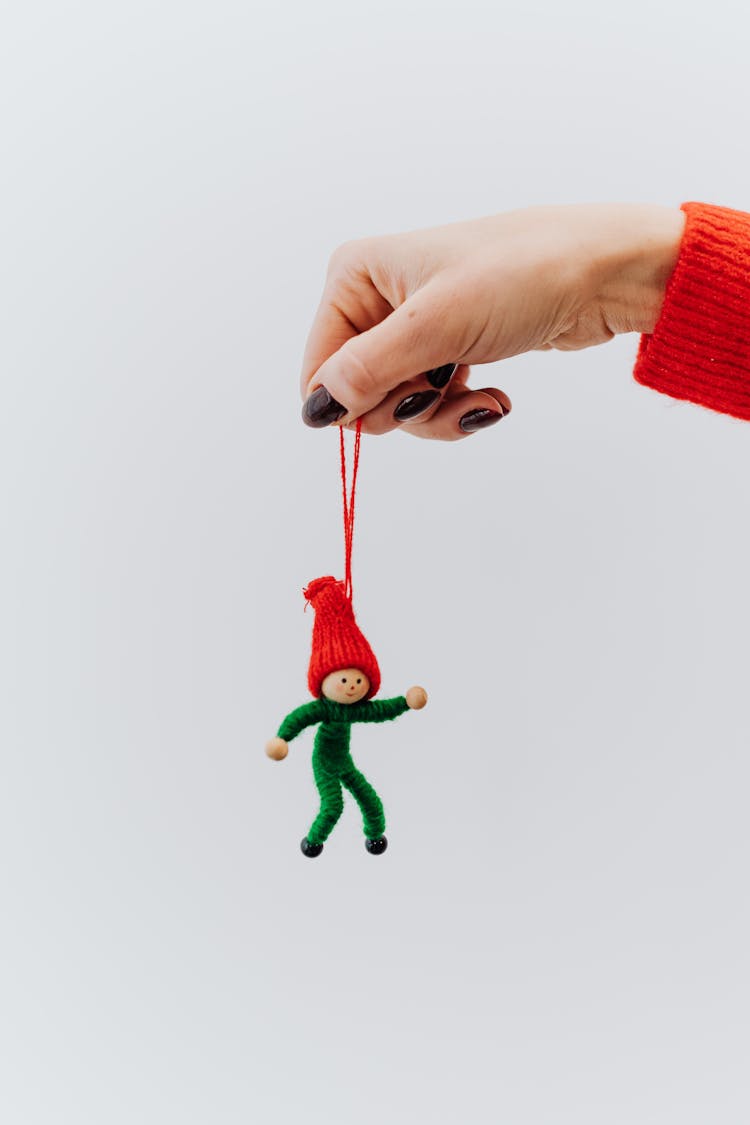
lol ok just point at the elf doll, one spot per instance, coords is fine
(343, 676)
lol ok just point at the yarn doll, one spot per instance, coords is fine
(343, 676)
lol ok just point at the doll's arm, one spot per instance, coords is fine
(293, 724)
(301, 717)
(380, 710)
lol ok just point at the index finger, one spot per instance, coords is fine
(330, 329)
(350, 305)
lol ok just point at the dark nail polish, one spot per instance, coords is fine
(480, 419)
(321, 409)
(414, 405)
(440, 377)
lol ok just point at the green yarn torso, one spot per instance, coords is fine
(336, 719)
(331, 747)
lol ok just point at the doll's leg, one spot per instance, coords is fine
(371, 806)
(331, 807)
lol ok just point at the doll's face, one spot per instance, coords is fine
(348, 685)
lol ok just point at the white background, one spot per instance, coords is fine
(558, 932)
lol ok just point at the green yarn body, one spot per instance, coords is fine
(333, 766)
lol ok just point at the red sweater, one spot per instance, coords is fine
(700, 347)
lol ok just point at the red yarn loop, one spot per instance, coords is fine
(348, 503)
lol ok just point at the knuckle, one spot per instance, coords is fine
(344, 257)
(358, 376)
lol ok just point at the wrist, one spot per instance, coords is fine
(637, 250)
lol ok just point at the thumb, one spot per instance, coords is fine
(367, 367)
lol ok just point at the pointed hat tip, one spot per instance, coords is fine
(315, 588)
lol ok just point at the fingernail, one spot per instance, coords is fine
(414, 405)
(439, 377)
(321, 409)
(480, 419)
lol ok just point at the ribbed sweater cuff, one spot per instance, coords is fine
(700, 347)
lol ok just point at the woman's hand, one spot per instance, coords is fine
(401, 314)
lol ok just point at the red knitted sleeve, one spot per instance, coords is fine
(700, 347)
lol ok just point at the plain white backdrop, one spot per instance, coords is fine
(558, 933)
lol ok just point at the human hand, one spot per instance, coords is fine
(399, 312)
(416, 698)
(277, 749)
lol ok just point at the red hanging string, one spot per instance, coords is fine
(348, 499)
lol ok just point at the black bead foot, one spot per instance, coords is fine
(309, 849)
(376, 847)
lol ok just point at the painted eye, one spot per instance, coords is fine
(343, 679)
(359, 681)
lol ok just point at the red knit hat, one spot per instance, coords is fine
(337, 641)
